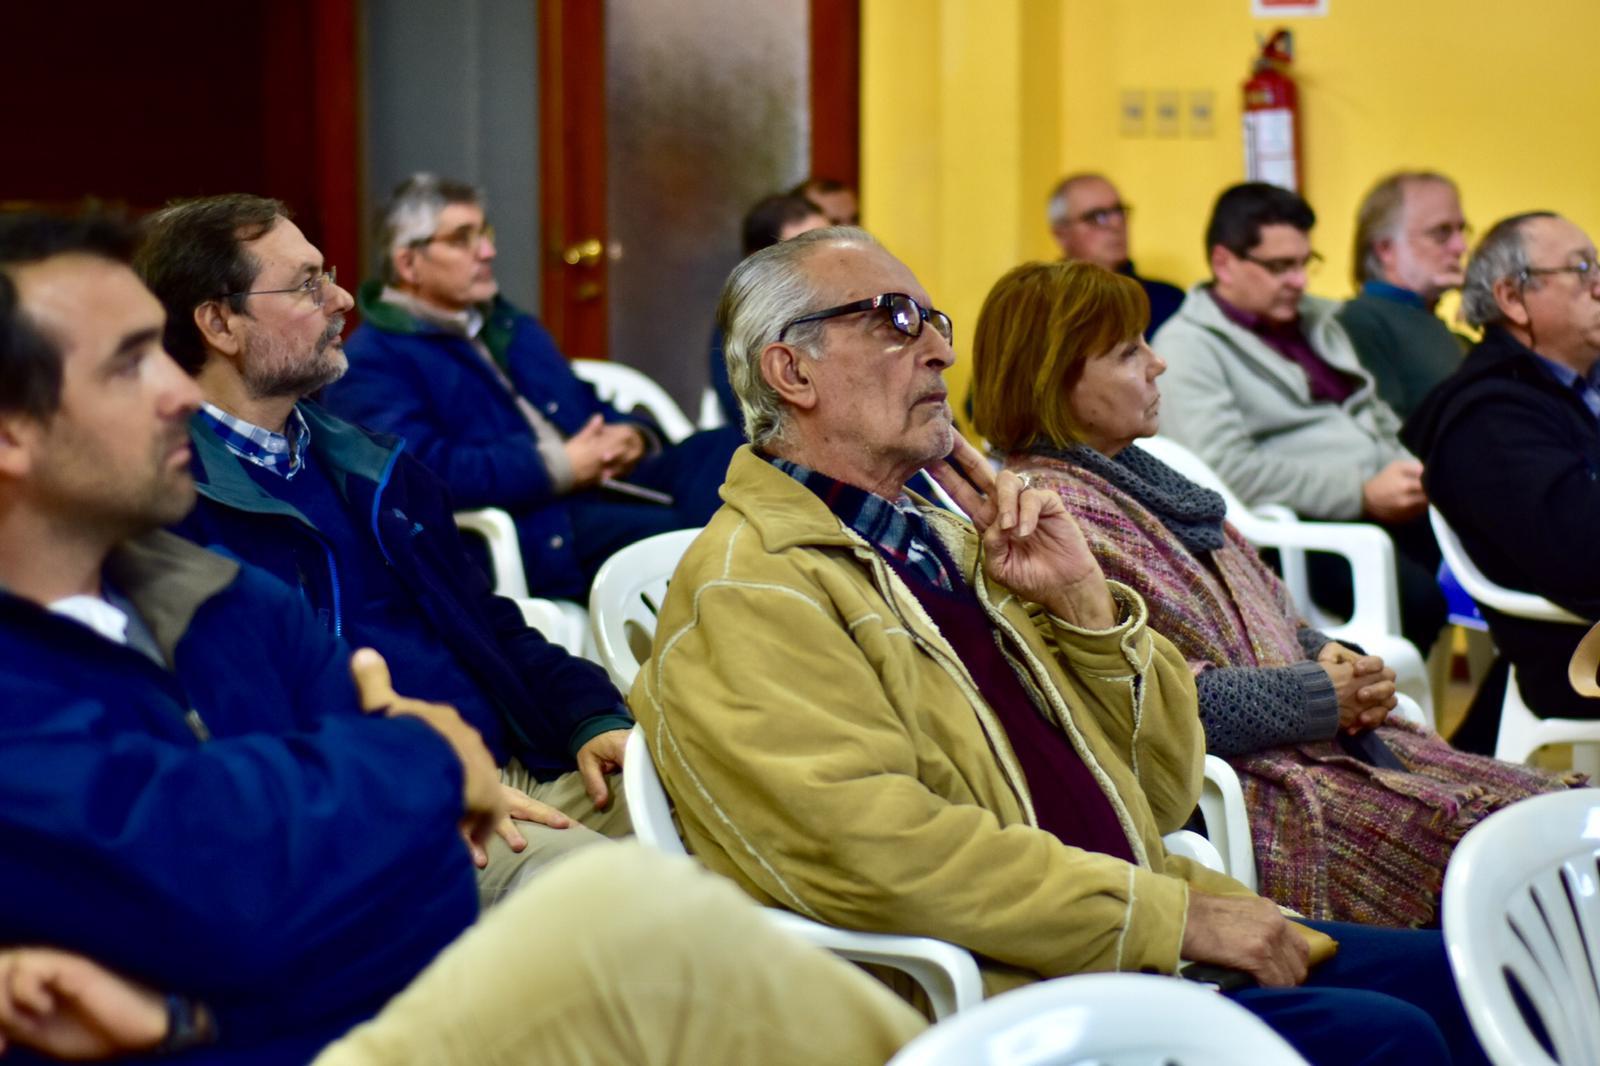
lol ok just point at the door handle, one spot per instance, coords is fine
(583, 253)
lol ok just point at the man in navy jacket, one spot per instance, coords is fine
(187, 790)
(363, 530)
(482, 396)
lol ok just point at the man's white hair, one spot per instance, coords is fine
(765, 292)
(412, 212)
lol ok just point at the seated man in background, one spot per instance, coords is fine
(1264, 386)
(480, 394)
(953, 732)
(772, 219)
(363, 530)
(1411, 240)
(1511, 447)
(1090, 222)
(190, 794)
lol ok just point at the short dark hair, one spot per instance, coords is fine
(764, 222)
(193, 251)
(30, 360)
(811, 185)
(1241, 211)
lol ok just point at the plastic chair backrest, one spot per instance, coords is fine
(1113, 1019)
(627, 595)
(647, 799)
(1522, 911)
(558, 624)
(1486, 592)
(625, 388)
(499, 535)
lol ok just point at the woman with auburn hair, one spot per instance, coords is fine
(1354, 814)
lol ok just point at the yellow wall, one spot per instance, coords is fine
(971, 109)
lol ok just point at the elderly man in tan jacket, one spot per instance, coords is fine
(874, 714)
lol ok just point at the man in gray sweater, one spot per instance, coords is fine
(1264, 385)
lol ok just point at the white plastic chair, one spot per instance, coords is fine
(557, 622)
(1227, 821)
(1522, 906)
(625, 598)
(625, 388)
(946, 973)
(1374, 621)
(1521, 731)
(1113, 1019)
(711, 416)
(499, 533)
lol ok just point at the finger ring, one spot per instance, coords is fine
(1026, 479)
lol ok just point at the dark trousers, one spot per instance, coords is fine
(1387, 997)
(690, 471)
(1422, 607)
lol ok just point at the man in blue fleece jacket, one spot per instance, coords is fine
(362, 529)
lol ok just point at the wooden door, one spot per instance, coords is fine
(572, 174)
(572, 146)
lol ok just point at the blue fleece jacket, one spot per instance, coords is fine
(230, 827)
(431, 388)
(545, 703)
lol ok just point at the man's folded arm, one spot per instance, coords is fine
(228, 867)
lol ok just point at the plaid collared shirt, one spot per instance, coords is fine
(896, 528)
(281, 453)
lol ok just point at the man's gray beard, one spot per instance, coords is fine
(298, 381)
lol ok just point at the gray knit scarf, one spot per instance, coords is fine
(1192, 513)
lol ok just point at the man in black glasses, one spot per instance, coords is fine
(1089, 220)
(1410, 249)
(482, 396)
(1511, 444)
(1264, 385)
(878, 715)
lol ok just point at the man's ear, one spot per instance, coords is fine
(219, 326)
(1222, 263)
(1383, 252)
(405, 264)
(19, 441)
(1508, 294)
(788, 371)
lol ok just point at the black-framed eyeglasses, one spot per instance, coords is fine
(314, 287)
(1587, 271)
(1287, 264)
(465, 239)
(1102, 217)
(905, 315)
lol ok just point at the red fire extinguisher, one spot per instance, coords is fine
(1272, 117)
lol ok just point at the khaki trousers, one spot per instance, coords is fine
(508, 869)
(621, 955)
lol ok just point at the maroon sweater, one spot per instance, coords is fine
(1066, 799)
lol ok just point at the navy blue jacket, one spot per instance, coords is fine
(294, 870)
(549, 703)
(1512, 460)
(431, 388)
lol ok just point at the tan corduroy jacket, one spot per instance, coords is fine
(826, 750)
